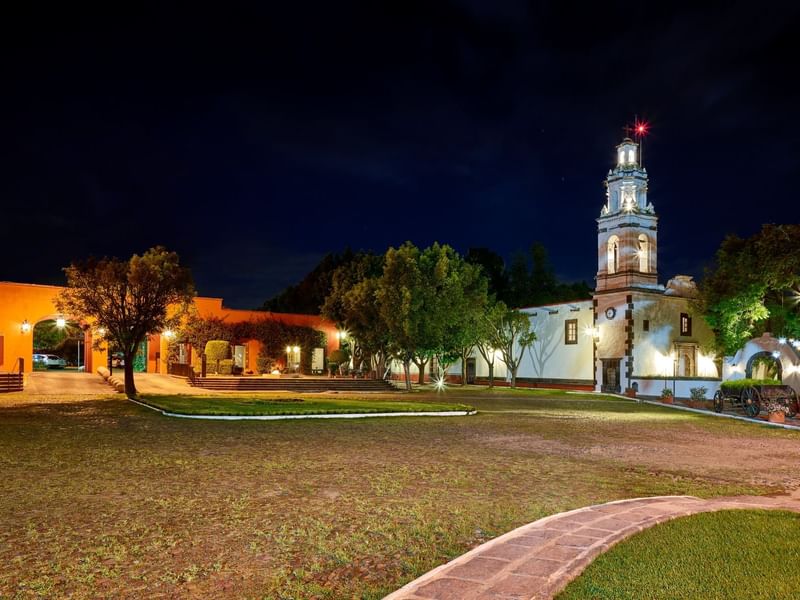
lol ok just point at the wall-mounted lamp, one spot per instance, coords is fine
(592, 332)
(168, 333)
(101, 331)
(296, 349)
(25, 327)
(61, 322)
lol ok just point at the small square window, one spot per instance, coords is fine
(646, 325)
(686, 324)
(571, 331)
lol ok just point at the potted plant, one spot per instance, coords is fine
(630, 392)
(666, 396)
(697, 398)
(776, 410)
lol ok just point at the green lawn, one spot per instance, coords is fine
(105, 498)
(286, 405)
(728, 554)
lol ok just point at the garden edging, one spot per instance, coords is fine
(452, 413)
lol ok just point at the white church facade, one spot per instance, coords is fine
(634, 333)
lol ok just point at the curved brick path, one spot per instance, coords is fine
(538, 560)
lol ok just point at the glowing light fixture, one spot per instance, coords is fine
(781, 340)
(288, 349)
(25, 327)
(440, 384)
(776, 354)
(296, 349)
(169, 334)
(101, 331)
(61, 322)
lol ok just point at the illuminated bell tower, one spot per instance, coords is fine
(627, 227)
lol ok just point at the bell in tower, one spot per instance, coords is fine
(627, 227)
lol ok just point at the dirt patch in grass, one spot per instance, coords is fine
(106, 498)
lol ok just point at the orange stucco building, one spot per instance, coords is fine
(23, 305)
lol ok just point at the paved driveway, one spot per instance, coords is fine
(65, 382)
(52, 383)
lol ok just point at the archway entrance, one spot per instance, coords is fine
(60, 344)
(764, 365)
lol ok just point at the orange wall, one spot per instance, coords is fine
(34, 303)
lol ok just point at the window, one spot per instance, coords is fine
(686, 324)
(613, 254)
(571, 331)
(631, 156)
(644, 254)
(621, 157)
(646, 325)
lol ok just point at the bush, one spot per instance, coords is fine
(666, 393)
(217, 350)
(736, 386)
(226, 366)
(698, 393)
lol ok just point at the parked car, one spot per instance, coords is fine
(51, 361)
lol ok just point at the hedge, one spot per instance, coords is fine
(738, 385)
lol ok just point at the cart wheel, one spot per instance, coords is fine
(750, 403)
(719, 401)
(793, 406)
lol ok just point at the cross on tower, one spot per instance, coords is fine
(628, 130)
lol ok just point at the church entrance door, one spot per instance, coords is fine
(610, 375)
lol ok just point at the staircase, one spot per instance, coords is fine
(294, 384)
(11, 382)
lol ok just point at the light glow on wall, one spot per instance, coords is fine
(706, 367)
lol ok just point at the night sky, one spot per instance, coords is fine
(255, 142)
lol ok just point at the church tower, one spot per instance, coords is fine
(627, 227)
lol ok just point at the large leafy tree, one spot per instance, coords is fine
(351, 304)
(753, 287)
(128, 298)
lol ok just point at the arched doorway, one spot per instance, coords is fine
(61, 343)
(764, 365)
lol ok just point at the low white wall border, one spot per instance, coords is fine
(451, 413)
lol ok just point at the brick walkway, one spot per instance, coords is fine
(538, 560)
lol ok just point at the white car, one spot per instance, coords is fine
(51, 361)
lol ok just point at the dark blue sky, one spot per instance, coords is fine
(255, 142)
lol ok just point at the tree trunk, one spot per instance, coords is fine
(514, 376)
(464, 369)
(491, 374)
(407, 371)
(421, 368)
(130, 386)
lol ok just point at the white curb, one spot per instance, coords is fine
(452, 413)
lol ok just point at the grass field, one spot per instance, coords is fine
(727, 554)
(104, 498)
(290, 405)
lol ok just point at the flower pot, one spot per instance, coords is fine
(776, 417)
(667, 399)
(630, 392)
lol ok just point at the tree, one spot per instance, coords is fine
(494, 269)
(512, 335)
(130, 299)
(352, 305)
(752, 287)
(309, 295)
(427, 301)
(490, 322)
